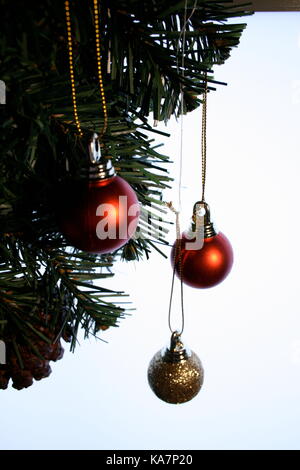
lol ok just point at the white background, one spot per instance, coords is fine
(246, 331)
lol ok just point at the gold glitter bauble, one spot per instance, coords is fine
(175, 374)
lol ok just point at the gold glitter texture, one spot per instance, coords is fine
(175, 381)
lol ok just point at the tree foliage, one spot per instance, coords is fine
(142, 45)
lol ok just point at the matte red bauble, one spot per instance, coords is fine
(203, 256)
(99, 213)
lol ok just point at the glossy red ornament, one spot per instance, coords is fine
(100, 216)
(206, 266)
(100, 213)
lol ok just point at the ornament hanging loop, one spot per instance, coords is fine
(202, 225)
(100, 167)
(95, 149)
(175, 342)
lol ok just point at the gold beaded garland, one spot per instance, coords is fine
(99, 67)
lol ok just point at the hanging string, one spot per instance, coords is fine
(182, 38)
(178, 245)
(177, 257)
(99, 67)
(203, 139)
(181, 103)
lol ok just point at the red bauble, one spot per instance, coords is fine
(100, 215)
(204, 267)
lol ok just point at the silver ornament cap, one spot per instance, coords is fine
(101, 168)
(175, 373)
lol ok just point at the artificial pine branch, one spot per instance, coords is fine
(141, 51)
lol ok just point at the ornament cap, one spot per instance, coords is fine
(101, 167)
(176, 351)
(201, 220)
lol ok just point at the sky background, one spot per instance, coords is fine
(246, 330)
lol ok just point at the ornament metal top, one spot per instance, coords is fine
(100, 168)
(175, 374)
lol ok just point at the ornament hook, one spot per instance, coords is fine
(95, 149)
(201, 210)
(175, 342)
(201, 220)
(176, 352)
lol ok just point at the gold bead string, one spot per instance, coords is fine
(203, 139)
(99, 67)
(72, 77)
